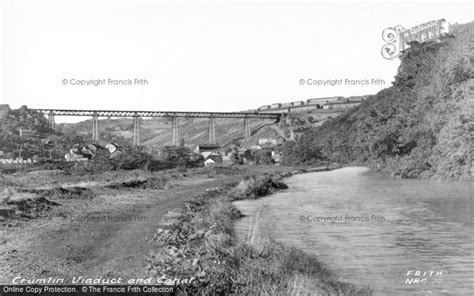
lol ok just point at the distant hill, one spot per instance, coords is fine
(420, 127)
(26, 133)
(156, 132)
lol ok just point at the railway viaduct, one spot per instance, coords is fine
(175, 115)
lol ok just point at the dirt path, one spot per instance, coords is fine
(107, 236)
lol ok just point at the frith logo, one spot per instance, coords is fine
(398, 38)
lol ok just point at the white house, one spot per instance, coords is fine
(209, 162)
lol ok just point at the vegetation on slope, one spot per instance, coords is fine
(26, 133)
(15, 124)
(199, 242)
(419, 127)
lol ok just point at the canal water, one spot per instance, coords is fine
(399, 236)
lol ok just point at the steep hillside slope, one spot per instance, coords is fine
(420, 127)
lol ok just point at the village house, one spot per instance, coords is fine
(207, 148)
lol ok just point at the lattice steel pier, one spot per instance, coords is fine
(175, 115)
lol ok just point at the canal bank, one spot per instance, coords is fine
(200, 240)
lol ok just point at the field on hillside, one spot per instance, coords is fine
(156, 132)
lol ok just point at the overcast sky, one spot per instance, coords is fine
(198, 56)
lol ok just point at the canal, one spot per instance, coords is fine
(399, 236)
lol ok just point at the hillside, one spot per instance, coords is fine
(22, 133)
(156, 132)
(420, 127)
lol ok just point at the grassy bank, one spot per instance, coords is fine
(420, 127)
(198, 241)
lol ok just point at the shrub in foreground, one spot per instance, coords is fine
(199, 241)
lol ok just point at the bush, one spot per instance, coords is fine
(257, 186)
(131, 160)
(137, 159)
(181, 157)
